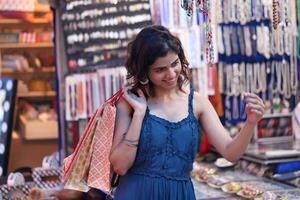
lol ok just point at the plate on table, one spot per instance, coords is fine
(249, 192)
(231, 187)
(223, 163)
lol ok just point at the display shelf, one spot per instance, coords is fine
(26, 45)
(38, 21)
(6, 71)
(38, 94)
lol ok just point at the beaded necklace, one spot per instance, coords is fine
(204, 7)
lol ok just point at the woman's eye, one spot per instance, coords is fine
(175, 64)
(160, 70)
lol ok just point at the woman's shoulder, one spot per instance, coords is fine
(199, 102)
(123, 106)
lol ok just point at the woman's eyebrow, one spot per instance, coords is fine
(167, 65)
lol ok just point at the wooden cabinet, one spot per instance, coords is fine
(27, 54)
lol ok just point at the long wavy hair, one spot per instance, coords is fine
(150, 43)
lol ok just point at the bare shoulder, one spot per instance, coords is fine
(200, 102)
(123, 107)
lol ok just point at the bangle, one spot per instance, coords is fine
(130, 143)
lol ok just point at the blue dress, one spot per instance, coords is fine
(161, 170)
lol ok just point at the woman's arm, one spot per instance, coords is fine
(229, 148)
(127, 128)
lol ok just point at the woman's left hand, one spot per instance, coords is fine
(254, 108)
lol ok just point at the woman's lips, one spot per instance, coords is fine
(171, 81)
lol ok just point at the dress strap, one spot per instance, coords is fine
(191, 96)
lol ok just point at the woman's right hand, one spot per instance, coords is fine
(137, 102)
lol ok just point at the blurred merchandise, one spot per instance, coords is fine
(22, 87)
(39, 85)
(296, 121)
(15, 62)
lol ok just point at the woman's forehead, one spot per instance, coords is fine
(165, 61)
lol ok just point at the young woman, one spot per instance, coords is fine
(158, 126)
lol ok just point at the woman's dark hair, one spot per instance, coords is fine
(150, 43)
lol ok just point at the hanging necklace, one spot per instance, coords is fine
(219, 11)
(242, 88)
(263, 80)
(249, 76)
(255, 80)
(294, 67)
(235, 85)
(222, 85)
(278, 68)
(275, 14)
(285, 71)
(229, 76)
(204, 7)
(247, 37)
(221, 48)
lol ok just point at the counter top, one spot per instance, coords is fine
(205, 192)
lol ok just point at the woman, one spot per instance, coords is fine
(157, 127)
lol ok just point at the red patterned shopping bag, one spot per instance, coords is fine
(89, 165)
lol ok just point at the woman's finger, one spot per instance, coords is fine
(141, 93)
(255, 106)
(257, 111)
(248, 96)
(255, 102)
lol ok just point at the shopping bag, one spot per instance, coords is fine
(100, 167)
(89, 166)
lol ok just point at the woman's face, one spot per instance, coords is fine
(164, 72)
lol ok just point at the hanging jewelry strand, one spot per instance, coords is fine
(275, 13)
(204, 7)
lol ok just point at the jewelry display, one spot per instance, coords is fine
(97, 32)
(204, 6)
(259, 37)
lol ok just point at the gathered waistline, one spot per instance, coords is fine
(158, 175)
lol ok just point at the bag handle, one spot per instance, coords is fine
(115, 97)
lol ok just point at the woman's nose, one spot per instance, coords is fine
(171, 73)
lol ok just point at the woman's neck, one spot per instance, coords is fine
(162, 95)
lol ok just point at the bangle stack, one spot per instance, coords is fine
(131, 143)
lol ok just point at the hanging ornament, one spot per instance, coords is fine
(188, 6)
(204, 7)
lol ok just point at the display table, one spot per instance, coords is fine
(205, 192)
(29, 153)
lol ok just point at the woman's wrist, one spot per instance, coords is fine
(138, 114)
(250, 123)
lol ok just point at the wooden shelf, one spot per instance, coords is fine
(22, 22)
(6, 71)
(38, 94)
(26, 45)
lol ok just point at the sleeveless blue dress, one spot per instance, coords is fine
(161, 170)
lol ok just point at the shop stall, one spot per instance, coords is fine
(68, 58)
